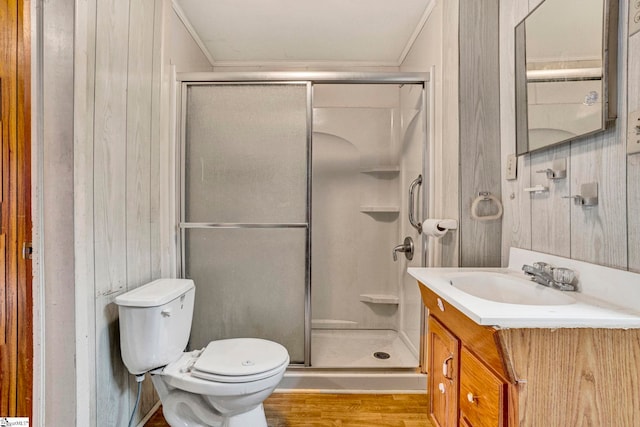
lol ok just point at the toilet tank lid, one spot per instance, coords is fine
(156, 293)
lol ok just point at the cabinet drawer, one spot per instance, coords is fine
(482, 394)
(481, 339)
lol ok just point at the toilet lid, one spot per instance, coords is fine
(241, 357)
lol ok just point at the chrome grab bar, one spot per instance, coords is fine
(412, 187)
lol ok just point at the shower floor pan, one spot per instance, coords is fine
(355, 348)
(344, 361)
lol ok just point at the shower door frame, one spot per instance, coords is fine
(184, 80)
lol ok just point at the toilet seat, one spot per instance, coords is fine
(239, 360)
(239, 378)
(182, 373)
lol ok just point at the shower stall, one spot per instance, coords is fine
(293, 191)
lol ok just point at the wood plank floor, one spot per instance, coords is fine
(339, 410)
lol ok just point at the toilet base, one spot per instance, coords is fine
(253, 418)
(185, 409)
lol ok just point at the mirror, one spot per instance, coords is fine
(565, 72)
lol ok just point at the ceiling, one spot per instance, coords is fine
(253, 32)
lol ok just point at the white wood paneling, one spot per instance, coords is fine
(120, 158)
(633, 208)
(633, 161)
(550, 213)
(449, 196)
(110, 226)
(138, 144)
(112, 28)
(480, 241)
(516, 220)
(158, 131)
(599, 234)
(138, 165)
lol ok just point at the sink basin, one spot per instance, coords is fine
(508, 289)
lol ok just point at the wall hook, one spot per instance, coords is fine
(588, 195)
(558, 169)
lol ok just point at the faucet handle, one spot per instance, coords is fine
(563, 275)
(544, 267)
(406, 247)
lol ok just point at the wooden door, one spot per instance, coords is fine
(443, 374)
(16, 351)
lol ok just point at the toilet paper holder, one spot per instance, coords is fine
(447, 224)
(438, 227)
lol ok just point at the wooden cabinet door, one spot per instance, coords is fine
(443, 374)
(482, 394)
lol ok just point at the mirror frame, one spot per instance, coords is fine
(609, 78)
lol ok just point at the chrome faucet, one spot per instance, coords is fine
(547, 275)
(406, 247)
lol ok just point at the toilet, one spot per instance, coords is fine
(223, 384)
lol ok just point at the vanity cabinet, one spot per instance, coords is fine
(517, 377)
(543, 359)
(443, 374)
(468, 385)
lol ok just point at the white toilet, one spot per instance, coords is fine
(223, 384)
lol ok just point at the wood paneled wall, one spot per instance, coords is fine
(479, 130)
(117, 192)
(633, 161)
(123, 58)
(607, 234)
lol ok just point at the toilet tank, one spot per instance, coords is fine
(155, 323)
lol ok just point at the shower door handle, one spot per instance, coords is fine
(417, 225)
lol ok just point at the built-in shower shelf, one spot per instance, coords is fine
(379, 209)
(379, 298)
(332, 324)
(387, 169)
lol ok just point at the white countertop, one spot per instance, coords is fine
(597, 304)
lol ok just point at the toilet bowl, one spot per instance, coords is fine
(189, 390)
(223, 384)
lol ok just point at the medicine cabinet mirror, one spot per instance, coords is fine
(566, 54)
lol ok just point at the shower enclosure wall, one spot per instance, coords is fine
(293, 193)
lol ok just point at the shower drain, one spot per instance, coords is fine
(381, 355)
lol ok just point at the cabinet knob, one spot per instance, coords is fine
(441, 388)
(470, 397)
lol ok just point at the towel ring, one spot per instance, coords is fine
(485, 196)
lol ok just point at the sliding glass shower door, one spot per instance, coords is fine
(245, 211)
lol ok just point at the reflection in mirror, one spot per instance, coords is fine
(564, 58)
